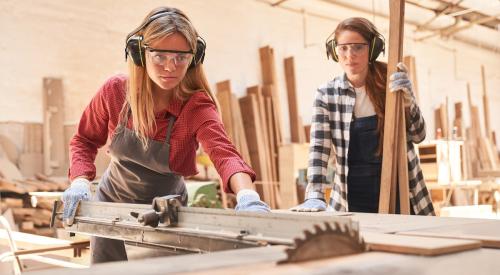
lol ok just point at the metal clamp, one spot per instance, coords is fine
(165, 211)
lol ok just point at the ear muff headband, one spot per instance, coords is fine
(135, 48)
(376, 47)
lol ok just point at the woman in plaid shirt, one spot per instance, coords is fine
(349, 116)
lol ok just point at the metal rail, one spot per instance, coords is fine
(198, 230)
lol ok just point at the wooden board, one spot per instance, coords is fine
(292, 157)
(264, 122)
(251, 122)
(33, 138)
(269, 77)
(486, 107)
(409, 61)
(293, 111)
(487, 232)
(417, 245)
(239, 131)
(224, 97)
(394, 115)
(273, 129)
(53, 131)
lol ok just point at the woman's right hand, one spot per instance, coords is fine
(79, 190)
(311, 205)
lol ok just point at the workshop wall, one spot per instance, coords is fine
(83, 43)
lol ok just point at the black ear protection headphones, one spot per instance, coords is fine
(136, 49)
(377, 46)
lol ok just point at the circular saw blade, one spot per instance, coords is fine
(325, 242)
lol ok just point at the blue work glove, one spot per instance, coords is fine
(311, 205)
(79, 190)
(249, 200)
(399, 81)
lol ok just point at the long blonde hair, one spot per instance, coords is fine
(139, 90)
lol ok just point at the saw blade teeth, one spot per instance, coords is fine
(318, 229)
(308, 234)
(298, 241)
(328, 227)
(344, 240)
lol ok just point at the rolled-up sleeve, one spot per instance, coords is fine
(415, 126)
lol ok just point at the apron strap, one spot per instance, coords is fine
(169, 129)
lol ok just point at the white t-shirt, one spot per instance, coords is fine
(363, 106)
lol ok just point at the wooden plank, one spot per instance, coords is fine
(264, 122)
(223, 95)
(403, 180)
(417, 245)
(485, 231)
(269, 78)
(293, 111)
(53, 131)
(307, 130)
(409, 61)
(486, 108)
(239, 131)
(458, 121)
(292, 157)
(251, 122)
(265, 136)
(392, 115)
(272, 129)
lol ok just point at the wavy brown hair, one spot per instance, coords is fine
(376, 79)
(139, 92)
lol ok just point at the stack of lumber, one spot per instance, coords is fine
(254, 124)
(31, 214)
(481, 152)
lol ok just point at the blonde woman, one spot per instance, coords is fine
(155, 117)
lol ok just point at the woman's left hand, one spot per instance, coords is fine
(399, 81)
(249, 200)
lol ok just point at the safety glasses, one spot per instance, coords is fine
(162, 57)
(353, 48)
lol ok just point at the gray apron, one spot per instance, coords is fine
(134, 175)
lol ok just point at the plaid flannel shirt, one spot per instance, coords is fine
(332, 115)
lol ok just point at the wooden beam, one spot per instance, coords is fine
(394, 160)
